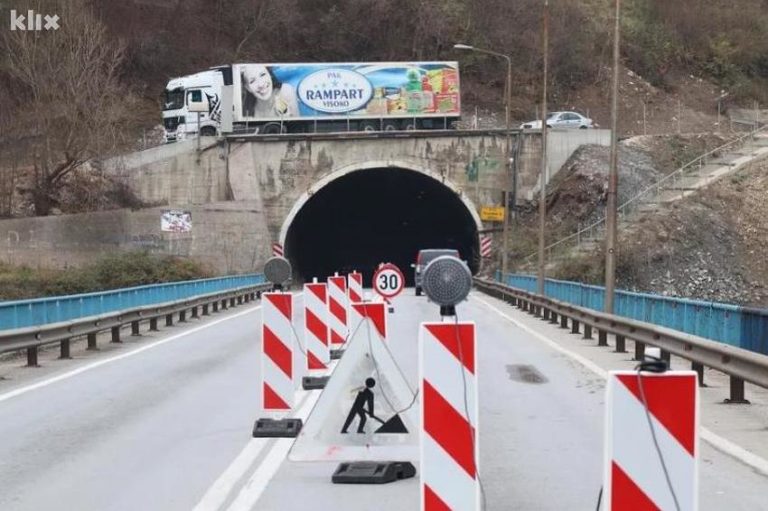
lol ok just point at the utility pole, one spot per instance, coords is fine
(543, 175)
(508, 168)
(613, 177)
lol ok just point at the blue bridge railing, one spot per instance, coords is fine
(40, 311)
(732, 324)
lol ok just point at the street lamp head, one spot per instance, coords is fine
(460, 46)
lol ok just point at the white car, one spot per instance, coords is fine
(561, 120)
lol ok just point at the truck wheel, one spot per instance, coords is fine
(409, 124)
(272, 128)
(368, 126)
(207, 131)
(391, 126)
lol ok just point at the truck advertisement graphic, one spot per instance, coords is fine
(376, 90)
(318, 97)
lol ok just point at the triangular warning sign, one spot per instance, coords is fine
(367, 410)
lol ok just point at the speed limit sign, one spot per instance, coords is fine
(388, 281)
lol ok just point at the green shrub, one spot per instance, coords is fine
(109, 272)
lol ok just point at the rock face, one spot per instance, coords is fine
(713, 244)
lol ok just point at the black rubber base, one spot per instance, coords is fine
(372, 472)
(277, 428)
(314, 382)
(336, 354)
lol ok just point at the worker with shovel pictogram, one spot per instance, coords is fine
(365, 397)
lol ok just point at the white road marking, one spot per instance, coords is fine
(722, 444)
(44, 383)
(217, 494)
(254, 488)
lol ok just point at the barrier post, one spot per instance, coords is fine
(651, 441)
(316, 326)
(449, 417)
(277, 352)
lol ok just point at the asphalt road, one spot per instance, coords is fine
(169, 429)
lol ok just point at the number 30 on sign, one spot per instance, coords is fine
(388, 281)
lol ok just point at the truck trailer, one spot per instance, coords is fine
(307, 98)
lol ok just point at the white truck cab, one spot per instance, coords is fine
(181, 123)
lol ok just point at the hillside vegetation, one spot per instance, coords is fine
(108, 272)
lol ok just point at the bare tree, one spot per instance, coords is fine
(70, 105)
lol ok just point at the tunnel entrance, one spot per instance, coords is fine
(378, 215)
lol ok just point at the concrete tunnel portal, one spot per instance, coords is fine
(374, 215)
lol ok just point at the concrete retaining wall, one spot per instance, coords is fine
(231, 237)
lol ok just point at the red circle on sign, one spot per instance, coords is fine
(388, 281)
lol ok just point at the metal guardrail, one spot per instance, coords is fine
(739, 364)
(731, 324)
(39, 311)
(32, 338)
(354, 135)
(633, 204)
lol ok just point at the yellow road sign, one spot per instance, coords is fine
(492, 213)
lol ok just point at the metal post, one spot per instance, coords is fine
(92, 346)
(169, 320)
(621, 344)
(613, 177)
(553, 317)
(587, 331)
(699, 368)
(639, 351)
(508, 167)
(215, 306)
(153, 325)
(116, 334)
(64, 349)
(135, 328)
(32, 356)
(574, 326)
(563, 321)
(182, 316)
(737, 392)
(205, 309)
(194, 312)
(602, 338)
(543, 176)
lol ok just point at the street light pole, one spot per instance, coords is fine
(543, 175)
(507, 150)
(613, 178)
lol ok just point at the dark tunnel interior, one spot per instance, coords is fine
(374, 216)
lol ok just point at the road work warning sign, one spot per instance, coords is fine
(367, 410)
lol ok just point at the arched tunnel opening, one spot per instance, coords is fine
(378, 215)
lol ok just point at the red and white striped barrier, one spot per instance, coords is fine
(485, 246)
(355, 287)
(376, 311)
(337, 307)
(449, 417)
(277, 250)
(634, 476)
(316, 326)
(277, 351)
